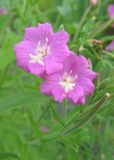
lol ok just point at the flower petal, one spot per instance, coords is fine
(86, 84)
(51, 65)
(46, 88)
(88, 74)
(59, 38)
(31, 34)
(110, 47)
(82, 100)
(58, 93)
(40, 33)
(53, 77)
(22, 51)
(37, 69)
(59, 52)
(83, 62)
(76, 94)
(71, 63)
(111, 10)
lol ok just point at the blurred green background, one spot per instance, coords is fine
(22, 104)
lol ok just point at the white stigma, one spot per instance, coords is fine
(68, 82)
(42, 50)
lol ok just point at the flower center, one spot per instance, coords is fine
(42, 51)
(68, 82)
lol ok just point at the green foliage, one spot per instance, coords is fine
(33, 126)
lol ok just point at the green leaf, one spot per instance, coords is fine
(6, 59)
(87, 53)
(107, 38)
(86, 116)
(6, 51)
(56, 116)
(35, 126)
(8, 155)
(19, 99)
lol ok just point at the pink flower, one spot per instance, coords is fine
(73, 82)
(110, 47)
(111, 10)
(42, 50)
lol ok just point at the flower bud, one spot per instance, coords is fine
(93, 2)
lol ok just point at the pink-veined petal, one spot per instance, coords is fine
(37, 69)
(59, 52)
(51, 65)
(56, 77)
(76, 94)
(39, 33)
(88, 74)
(83, 62)
(71, 63)
(46, 88)
(22, 51)
(58, 93)
(86, 84)
(59, 38)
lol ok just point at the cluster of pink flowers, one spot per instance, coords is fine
(46, 54)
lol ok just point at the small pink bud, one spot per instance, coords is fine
(93, 2)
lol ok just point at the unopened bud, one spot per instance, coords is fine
(93, 2)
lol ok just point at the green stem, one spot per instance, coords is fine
(25, 6)
(4, 76)
(64, 108)
(43, 113)
(65, 113)
(108, 54)
(56, 116)
(36, 123)
(103, 28)
(35, 126)
(79, 123)
(81, 22)
(107, 38)
(57, 20)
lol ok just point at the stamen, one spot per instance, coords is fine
(42, 50)
(39, 43)
(68, 81)
(31, 55)
(41, 62)
(70, 72)
(75, 77)
(46, 40)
